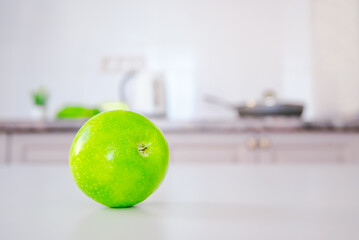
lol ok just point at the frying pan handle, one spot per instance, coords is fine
(218, 101)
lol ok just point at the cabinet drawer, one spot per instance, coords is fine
(310, 148)
(308, 155)
(41, 148)
(2, 148)
(46, 153)
(203, 154)
(204, 147)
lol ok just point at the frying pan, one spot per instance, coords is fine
(260, 109)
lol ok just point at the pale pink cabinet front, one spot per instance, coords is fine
(203, 147)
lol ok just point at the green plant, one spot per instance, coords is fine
(40, 96)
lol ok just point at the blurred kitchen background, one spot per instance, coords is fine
(190, 66)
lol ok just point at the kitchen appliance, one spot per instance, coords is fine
(267, 106)
(145, 92)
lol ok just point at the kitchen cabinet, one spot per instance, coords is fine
(40, 147)
(306, 147)
(3, 145)
(203, 147)
(291, 147)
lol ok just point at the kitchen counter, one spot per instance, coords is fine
(193, 202)
(267, 125)
(202, 141)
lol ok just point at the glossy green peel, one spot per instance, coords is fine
(118, 158)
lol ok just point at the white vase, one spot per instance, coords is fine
(39, 113)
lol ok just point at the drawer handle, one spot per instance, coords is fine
(252, 143)
(264, 143)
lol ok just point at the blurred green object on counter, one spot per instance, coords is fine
(72, 112)
(40, 96)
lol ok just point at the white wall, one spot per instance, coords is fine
(336, 57)
(231, 48)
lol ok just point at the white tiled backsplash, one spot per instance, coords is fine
(233, 49)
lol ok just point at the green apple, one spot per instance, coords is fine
(118, 158)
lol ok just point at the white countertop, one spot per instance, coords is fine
(194, 202)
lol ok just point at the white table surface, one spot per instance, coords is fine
(194, 202)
